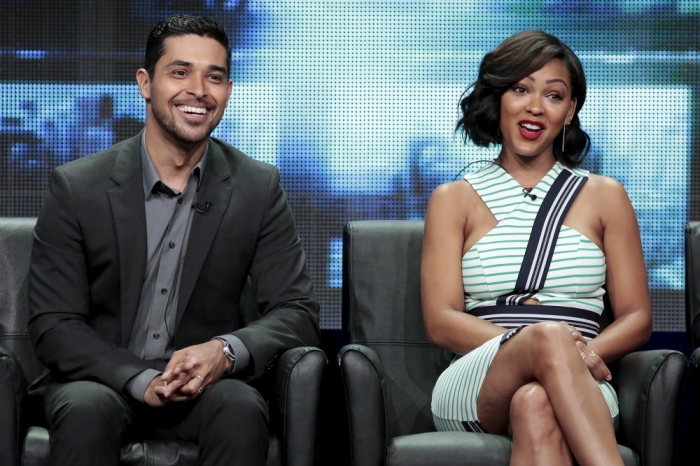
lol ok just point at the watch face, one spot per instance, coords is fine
(230, 355)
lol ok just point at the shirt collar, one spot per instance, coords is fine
(151, 176)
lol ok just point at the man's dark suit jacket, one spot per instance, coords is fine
(89, 257)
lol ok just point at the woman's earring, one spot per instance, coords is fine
(563, 137)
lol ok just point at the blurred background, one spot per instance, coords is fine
(356, 103)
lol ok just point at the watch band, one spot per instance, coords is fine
(228, 352)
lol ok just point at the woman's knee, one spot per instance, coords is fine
(551, 341)
(531, 412)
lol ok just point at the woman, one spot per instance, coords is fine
(515, 257)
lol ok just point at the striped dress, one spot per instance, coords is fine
(572, 290)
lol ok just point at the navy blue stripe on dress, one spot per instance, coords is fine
(543, 238)
(474, 426)
(514, 316)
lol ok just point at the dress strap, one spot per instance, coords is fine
(543, 238)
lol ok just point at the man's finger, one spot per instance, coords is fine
(194, 387)
(178, 369)
(177, 382)
(172, 366)
(174, 359)
(184, 366)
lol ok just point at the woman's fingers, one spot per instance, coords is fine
(595, 363)
(577, 335)
(601, 367)
(596, 366)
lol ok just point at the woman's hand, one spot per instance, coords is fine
(595, 364)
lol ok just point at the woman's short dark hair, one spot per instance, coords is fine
(182, 25)
(515, 58)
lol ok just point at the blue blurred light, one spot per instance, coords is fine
(31, 54)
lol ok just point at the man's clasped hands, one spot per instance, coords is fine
(189, 371)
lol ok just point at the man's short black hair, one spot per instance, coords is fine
(182, 25)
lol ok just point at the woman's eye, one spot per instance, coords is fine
(519, 89)
(556, 97)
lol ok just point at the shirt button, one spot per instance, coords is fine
(179, 201)
(172, 245)
(163, 291)
(156, 336)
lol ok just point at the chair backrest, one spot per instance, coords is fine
(692, 282)
(382, 310)
(15, 249)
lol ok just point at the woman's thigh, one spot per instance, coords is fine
(457, 389)
(526, 357)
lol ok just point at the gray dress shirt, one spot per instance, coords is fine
(169, 215)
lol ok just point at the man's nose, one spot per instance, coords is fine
(196, 86)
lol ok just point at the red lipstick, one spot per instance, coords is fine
(530, 129)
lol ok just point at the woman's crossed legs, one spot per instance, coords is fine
(539, 389)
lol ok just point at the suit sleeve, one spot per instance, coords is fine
(59, 299)
(282, 286)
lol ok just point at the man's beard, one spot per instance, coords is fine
(168, 123)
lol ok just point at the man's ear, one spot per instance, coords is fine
(144, 81)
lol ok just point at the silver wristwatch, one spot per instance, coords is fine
(228, 351)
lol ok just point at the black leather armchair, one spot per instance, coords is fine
(294, 406)
(692, 319)
(389, 370)
(692, 285)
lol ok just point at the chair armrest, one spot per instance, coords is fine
(298, 400)
(365, 388)
(13, 390)
(649, 385)
(694, 360)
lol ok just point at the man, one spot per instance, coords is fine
(139, 259)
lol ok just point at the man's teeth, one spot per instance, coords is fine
(197, 110)
(530, 127)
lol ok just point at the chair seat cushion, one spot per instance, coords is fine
(148, 453)
(460, 449)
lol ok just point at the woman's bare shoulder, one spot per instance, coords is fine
(454, 193)
(610, 199)
(450, 202)
(606, 188)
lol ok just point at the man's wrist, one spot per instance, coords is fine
(137, 385)
(229, 354)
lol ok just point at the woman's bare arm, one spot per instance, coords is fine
(442, 292)
(627, 283)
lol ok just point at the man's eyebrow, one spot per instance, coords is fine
(218, 68)
(187, 64)
(179, 63)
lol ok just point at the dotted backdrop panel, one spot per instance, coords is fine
(356, 103)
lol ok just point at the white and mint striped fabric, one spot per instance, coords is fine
(490, 270)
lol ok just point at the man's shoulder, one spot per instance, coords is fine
(236, 158)
(92, 166)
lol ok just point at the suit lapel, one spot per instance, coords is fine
(215, 189)
(127, 201)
